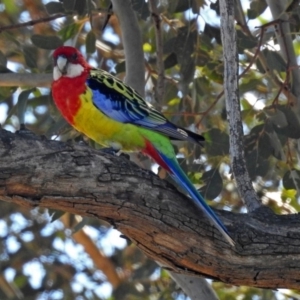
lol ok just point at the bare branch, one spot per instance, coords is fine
(233, 106)
(25, 79)
(132, 40)
(32, 22)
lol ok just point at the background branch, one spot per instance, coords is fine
(156, 19)
(132, 41)
(234, 118)
(32, 22)
(283, 34)
(25, 79)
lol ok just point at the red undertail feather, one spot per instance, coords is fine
(153, 153)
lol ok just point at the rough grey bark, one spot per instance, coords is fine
(151, 212)
(234, 118)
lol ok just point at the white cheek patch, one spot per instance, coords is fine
(61, 62)
(56, 73)
(74, 70)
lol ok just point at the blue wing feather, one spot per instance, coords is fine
(123, 104)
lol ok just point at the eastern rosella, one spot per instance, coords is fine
(113, 114)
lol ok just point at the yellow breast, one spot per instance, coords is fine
(104, 130)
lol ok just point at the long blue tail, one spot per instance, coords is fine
(182, 179)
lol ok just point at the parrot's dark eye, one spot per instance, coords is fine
(74, 56)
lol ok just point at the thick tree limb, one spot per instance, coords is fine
(151, 212)
(234, 118)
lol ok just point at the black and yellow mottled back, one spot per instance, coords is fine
(123, 104)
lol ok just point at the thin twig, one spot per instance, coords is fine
(32, 22)
(108, 16)
(204, 114)
(166, 77)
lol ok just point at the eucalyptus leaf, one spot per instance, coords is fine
(69, 31)
(46, 42)
(291, 180)
(216, 142)
(3, 60)
(22, 103)
(30, 54)
(80, 225)
(275, 60)
(55, 214)
(90, 42)
(257, 7)
(141, 7)
(213, 184)
(54, 7)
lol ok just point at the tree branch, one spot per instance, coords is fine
(32, 22)
(132, 40)
(102, 262)
(233, 106)
(283, 34)
(151, 212)
(25, 79)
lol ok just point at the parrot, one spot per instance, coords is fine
(114, 115)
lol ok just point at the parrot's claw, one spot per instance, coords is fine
(125, 155)
(115, 152)
(110, 151)
(27, 133)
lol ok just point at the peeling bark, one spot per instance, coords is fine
(151, 212)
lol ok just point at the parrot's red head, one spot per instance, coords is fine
(68, 62)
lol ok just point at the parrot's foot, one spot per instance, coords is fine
(27, 133)
(125, 155)
(110, 151)
(115, 152)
